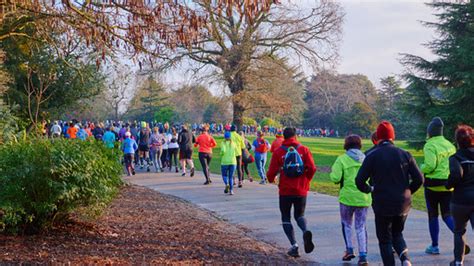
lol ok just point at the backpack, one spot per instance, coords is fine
(293, 165)
(261, 146)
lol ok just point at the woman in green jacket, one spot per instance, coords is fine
(353, 204)
(228, 162)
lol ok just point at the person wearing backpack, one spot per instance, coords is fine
(294, 163)
(261, 147)
(353, 204)
(393, 177)
(437, 151)
(461, 178)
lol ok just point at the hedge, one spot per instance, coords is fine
(43, 181)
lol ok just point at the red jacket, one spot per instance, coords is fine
(206, 143)
(276, 144)
(296, 186)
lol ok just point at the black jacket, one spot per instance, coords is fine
(186, 140)
(395, 177)
(461, 177)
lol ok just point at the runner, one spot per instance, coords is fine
(185, 141)
(98, 131)
(247, 157)
(461, 178)
(293, 187)
(129, 146)
(276, 144)
(437, 151)
(156, 144)
(56, 130)
(109, 138)
(353, 204)
(206, 143)
(261, 146)
(143, 146)
(394, 176)
(239, 142)
(173, 149)
(72, 131)
(82, 133)
(228, 162)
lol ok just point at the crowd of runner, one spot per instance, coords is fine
(384, 177)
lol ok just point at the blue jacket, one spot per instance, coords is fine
(82, 134)
(109, 139)
(129, 146)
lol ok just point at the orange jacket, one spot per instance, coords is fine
(206, 143)
(72, 131)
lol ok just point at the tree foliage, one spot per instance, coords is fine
(361, 120)
(445, 86)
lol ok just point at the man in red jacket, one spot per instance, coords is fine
(293, 190)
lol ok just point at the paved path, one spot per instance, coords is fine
(256, 207)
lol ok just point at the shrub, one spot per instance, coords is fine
(42, 181)
(270, 122)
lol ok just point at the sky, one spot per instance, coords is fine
(375, 32)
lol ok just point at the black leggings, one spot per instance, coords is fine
(245, 168)
(239, 168)
(389, 230)
(173, 156)
(435, 199)
(164, 157)
(286, 202)
(205, 159)
(462, 214)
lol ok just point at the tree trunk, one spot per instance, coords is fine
(238, 112)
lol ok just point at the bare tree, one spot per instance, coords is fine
(234, 41)
(37, 93)
(117, 94)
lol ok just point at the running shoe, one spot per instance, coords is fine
(432, 250)
(250, 179)
(192, 172)
(148, 169)
(308, 241)
(226, 190)
(348, 256)
(362, 261)
(454, 263)
(263, 182)
(231, 192)
(133, 172)
(240, 183)
(293, 252)
(207, 183)
(406, 263)
(467, 249)
(183, 174)
(176, 170)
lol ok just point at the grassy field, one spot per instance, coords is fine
(325, 152)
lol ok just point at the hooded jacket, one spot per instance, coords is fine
(238, 141)
(395, 177)
(276, 144)
(343, 172)
(437, 151)
(292, 186)
(461, 177)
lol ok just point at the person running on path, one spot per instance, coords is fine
(247, 157)
(293, 189)
(82, 133)
(437, 151)
(56, 130)
(276, 144)
(173, 149)
(261, 147)
(461, 179)
(109, 139)
(394, 176)
(239, 142)
(156, 148)
(228, 162)
(353, 204)
(185, 141)
(206, 143)
(144, 147)
(72, 131)
(98, 131)
(129, 146)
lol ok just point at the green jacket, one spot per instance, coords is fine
(239, 142)
(437, 151)
(228, 153)
(344, 171)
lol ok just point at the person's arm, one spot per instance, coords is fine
(273, 168)
(415, 174)
(135, 145)
(196, 143)
(455, 172)
(268, 145)
(336, 171)
(254, 145)
(430, 162)
(213, 142)
(363, 175)
(310, 166)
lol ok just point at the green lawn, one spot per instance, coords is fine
(325, 152)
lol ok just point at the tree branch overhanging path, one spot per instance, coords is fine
(234, 43)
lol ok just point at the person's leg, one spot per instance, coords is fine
(264, 163)
(175, 154)
(347, 213)
(383, 229)
(461, 215)
(147, 158)
(444, 203)
(285, 210)
(153, 156)
(360, 216)
(231, 179)
(126, 159)
(399, 244)
(432, 203)
(224, 172)
(239, 169)
(208, 159)
(300, 206)
(158, 158)
(203, 161)
(189, 161)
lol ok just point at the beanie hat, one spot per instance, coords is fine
(385, 131)
(435, 127)
(279, 134)
(227, 135)
(128, 134)
(233, 128)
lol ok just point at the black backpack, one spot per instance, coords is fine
(293, 165)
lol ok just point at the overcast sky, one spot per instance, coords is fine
(377, 31)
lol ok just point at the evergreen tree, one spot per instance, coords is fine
(445, 86)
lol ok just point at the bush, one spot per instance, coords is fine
(249, 121)
(43, 181)
(270, 122)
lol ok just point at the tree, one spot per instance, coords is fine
(149, 98)
(235, 41)
(4, 78)
(329, 94)
(445, 86)
(361, 120)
